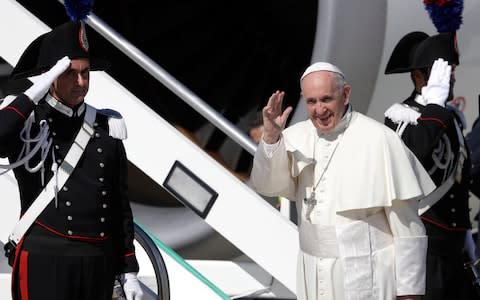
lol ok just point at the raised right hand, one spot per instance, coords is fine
(438, 87)
(274, 119)
(45, 80)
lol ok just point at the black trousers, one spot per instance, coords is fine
(446, 276)
(42, 276)
(54, 268)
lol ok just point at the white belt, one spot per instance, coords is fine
(318, 240)
(326, 241)
(64, 171)
(353, 243)
(426, 203)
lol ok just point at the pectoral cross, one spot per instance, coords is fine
(310, 202)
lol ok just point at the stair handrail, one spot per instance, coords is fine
(179, 89)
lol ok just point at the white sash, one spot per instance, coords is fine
(426, 203)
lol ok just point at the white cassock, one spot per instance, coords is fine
(362, 237)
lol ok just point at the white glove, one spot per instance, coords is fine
(469, 245)
(45, 80)
(131, 286)
(438, 87)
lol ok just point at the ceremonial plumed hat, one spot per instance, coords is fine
(442, 45)
(68, 39)
(402, 54)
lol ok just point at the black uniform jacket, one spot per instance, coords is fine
(473, 142)
(92, 210)
(435, 142)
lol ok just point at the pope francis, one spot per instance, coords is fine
(356, 188)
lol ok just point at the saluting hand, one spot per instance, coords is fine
(438, 87)
(45, 80)
(274, 119)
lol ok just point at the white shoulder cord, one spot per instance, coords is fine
(447, 157)
(401, 128)
(41, 141)
(44, 145)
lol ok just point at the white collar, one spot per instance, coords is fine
(59, 106)
(420, 100)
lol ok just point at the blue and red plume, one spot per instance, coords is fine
(78, 10)
(446, 15)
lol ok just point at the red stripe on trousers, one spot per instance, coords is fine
(23, 275)
(16, 261)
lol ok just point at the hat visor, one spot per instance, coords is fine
(398, 70)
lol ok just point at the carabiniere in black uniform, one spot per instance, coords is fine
(91, 216)
(441, 149)
(436, 143)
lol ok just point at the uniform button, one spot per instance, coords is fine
(101, 179)
(452, 210)
(57, 147)
(97, 135)
(104, 193)
(452, 196)
(101, 165)
(69, 218)
(102, 219)
(65, 188)
(68, 203)
(95, 124)
(54, 133)
(70, 232)
(99, 150)
(454, 224)
(59, 161)
(102, 234)
(104, 205)
(471, 181)
(50, 120)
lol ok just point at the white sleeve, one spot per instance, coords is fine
(410, 242)
(269, 148)
(270, 174)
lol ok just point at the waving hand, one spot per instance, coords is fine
(274, 119)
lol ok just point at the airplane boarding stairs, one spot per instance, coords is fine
(171, 160)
